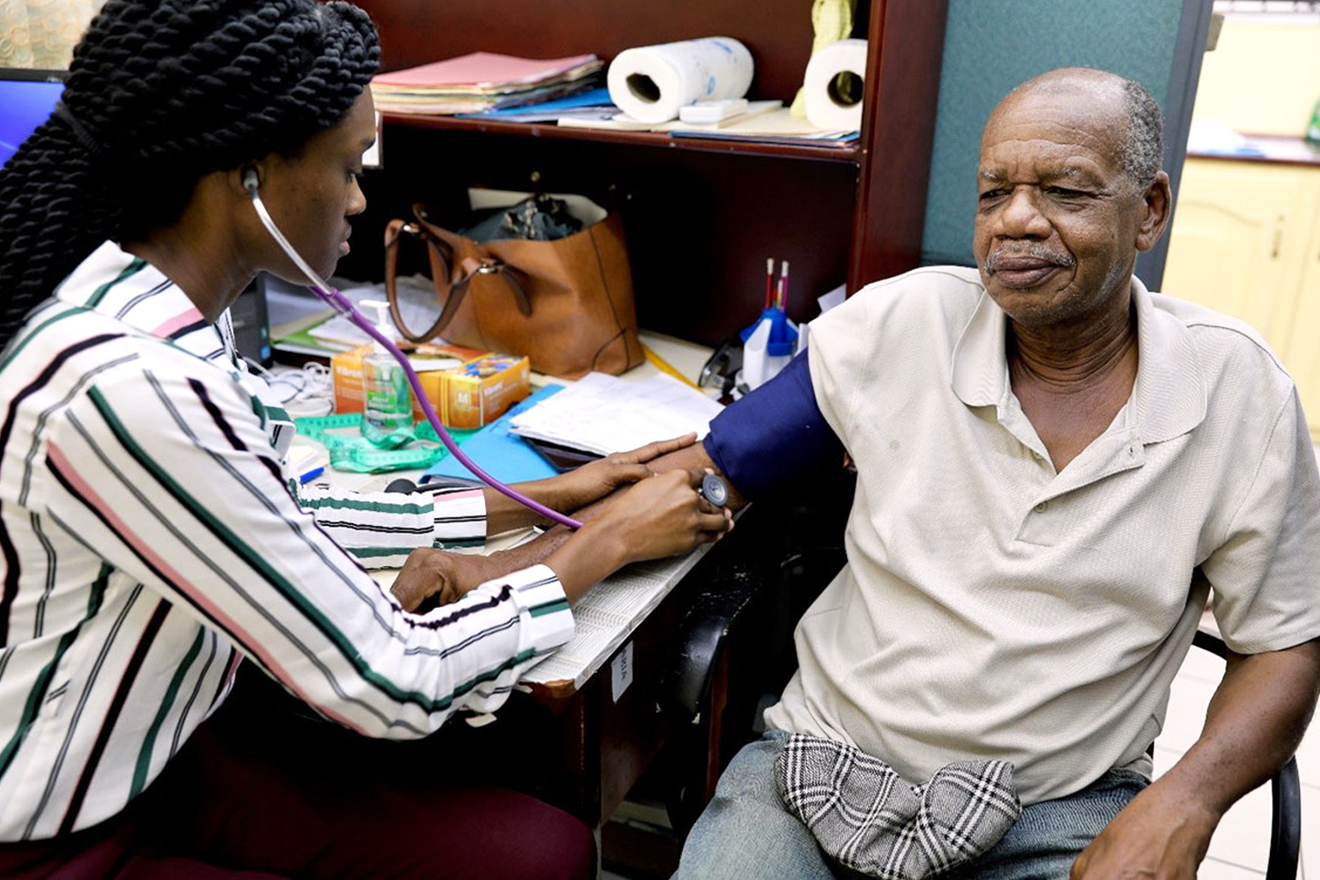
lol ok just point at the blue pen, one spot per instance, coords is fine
(312, 474)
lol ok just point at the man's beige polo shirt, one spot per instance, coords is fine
(992, 607)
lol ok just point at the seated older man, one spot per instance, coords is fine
(1056, 468)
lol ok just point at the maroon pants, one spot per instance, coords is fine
(248, 799)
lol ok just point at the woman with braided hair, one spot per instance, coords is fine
(150, 536)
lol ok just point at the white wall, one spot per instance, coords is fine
(1263, 77)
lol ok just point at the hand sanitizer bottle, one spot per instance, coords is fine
(388, 400)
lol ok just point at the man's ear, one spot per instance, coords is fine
(1156, 208)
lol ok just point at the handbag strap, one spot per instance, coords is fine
(442, 257)
(393, 231)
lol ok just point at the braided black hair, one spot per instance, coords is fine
(160, 93)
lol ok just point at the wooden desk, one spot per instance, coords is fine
(603, 690)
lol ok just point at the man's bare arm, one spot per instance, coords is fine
(1255, 721)
(695, 460)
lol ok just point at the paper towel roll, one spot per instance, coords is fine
(650, 83)
(832, 103)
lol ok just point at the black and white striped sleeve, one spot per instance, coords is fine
(382, 528)
(171, 478)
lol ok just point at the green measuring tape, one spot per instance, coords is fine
(372, 451)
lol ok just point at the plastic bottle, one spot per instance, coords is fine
(388, 399)
(1313, 130)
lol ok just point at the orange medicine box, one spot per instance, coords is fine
(473, 394)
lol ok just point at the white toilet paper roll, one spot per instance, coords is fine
(831, 103)
(650, 83)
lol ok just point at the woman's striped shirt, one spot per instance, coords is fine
(150, 537)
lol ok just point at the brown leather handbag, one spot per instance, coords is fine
(567, 304)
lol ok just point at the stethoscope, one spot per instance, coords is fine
(341, 304)
(713, 489)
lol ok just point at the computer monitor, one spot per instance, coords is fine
(26, 99)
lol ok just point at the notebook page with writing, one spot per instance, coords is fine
(603, 414)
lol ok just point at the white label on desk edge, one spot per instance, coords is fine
(621, 671)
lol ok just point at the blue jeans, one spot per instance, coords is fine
(746, 834)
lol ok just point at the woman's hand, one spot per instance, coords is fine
(448, 576)
(657, 517)
(577, 488)
(661, 516)
(596, 479)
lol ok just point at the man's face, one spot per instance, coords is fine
(312, 194)
(1058, 221)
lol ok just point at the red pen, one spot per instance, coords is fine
(769, 280)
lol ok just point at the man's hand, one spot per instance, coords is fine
(1160, 834)
(1255, 721)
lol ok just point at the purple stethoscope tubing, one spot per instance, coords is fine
(341, 304)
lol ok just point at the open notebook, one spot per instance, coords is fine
(607, 615)
(604, 414)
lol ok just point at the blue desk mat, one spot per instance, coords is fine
(500, 452)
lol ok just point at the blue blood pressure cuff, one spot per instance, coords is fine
(774, 437)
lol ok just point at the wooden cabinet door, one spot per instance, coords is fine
(1301, 354)
(1236, 227)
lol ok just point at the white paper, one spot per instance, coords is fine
(418, 305)
(603, 414)
(758, 366)
(621, 672)
(824, 110)
(835, 297)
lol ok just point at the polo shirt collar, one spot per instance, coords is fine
(1169, 397)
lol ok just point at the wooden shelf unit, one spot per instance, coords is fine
(823, 152)
(701, 215)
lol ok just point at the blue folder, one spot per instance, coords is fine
(499, 452)
(590, 98)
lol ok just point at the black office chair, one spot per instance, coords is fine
(1286, 791)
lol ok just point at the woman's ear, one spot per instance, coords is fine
(246, 179)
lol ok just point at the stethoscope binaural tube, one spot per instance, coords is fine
(341, 304)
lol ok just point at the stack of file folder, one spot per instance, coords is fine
(482, 81)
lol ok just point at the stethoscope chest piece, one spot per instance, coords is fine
(714, 490)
